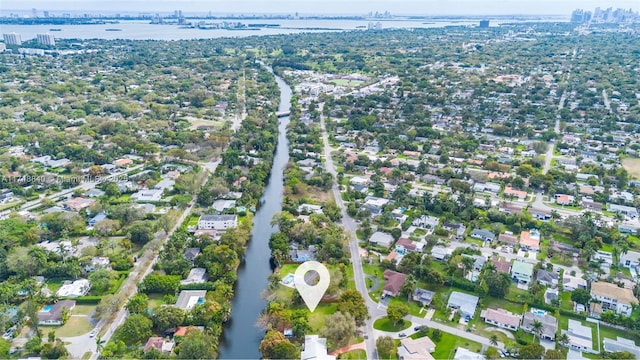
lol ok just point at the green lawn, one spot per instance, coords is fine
(612, 333)
(354, 354)
(494, 303)
(384, 324)
(565, 301)
(155, 301)
(448, 343)
(75, 326)
(83, 309)
(414, 306)
(317, 318)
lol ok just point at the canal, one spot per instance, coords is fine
(241, 337)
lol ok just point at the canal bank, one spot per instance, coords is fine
(241, 337)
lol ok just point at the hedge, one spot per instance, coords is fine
(88, 299)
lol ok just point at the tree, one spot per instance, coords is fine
(197, 345)
(54, 351)
(436, 335)
(581, 296)
(498, 284)
(397, 311)
(101, 280)
(276, 346)
(563, 340)
(537, 328)
(531, 351)
(140, 232)
(409, 286)
(339, 328)
(493, 340)
(553, 354)
(386, 347)
(167, 317)
(107, 305)
(352, 302)
(135, 329)
(138, 304)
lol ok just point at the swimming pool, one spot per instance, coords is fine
(288, 279)
(46, 308)
(539, 312)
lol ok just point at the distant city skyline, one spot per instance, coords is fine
(396, 7)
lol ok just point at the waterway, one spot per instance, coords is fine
(143, 30)
(241, 337)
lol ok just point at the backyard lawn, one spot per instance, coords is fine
(83, 309)
(318, 317)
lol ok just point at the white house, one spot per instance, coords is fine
(416, 349)
(630, 259)
(74, 289)
(614, 298)
(501, 318)
(217, 222)
(580, 337)
(315, 348)
(570, 283)
(381, 239)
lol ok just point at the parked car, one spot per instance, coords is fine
(402, 335)
(8, 335)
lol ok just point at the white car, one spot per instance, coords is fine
(93, 333)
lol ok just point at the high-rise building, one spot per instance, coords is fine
(46, 13)
(46, 39)
(34, 13)
(484, 23)
(12, 39)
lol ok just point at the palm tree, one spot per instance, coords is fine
(563, 340)
(409, 286)
(537, 328)
(493, 340)
(99, 344)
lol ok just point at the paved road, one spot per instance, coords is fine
(350, 225)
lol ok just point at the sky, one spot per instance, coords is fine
(248, 7)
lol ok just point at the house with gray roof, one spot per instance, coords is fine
(549, 323)
(423, 296)
(188, 299)
(547, 278)
(484, 235)
(621, 344)
(464, 302)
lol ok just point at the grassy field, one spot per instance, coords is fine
(83, 309)
(632, 166)
(354, 354)
(155, 301)
(494, 303)
(75, 326)
(384, 324)
(317, 318)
